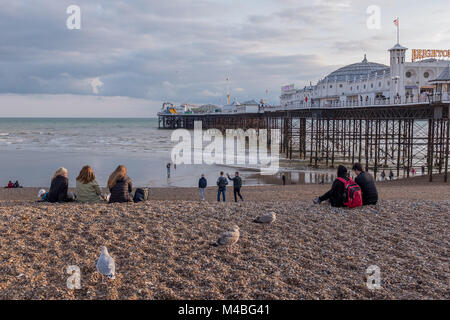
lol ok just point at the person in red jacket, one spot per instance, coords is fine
(10, 185)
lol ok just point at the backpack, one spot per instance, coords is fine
(222, 182)
(141, 195)
(352, 193)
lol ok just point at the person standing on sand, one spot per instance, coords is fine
(367, 185)
(391, 175)
(336, 194)
(283, 178)
(222, 183)
(168, 170)
(59, 187)
(237, 185)
(202, 184)
(88, 189)
(120, 186)
(383, 175)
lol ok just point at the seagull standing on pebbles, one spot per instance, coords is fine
(267, 218)
(228, 238)
(106, 265)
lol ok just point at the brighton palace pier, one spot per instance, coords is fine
(392, 117)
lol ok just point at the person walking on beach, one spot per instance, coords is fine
(336, 194)
(168, 170)
(283, 178)
(202, 184)
(88, 189)
(59, 187)
(222, 183)
(120, 186)
(237, 185)
(367, 185)
(391, 175)
(383, 175)
(423, 170)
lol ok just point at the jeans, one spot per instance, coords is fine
(202, 193)
(223, 192)
(237, 192)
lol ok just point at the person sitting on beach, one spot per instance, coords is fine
(222, 183)
(17, 185)
(88, 189)
(120, 186)
(10, 185)
(202, 184)
(367, 184)
(59, 187)
(336, 194)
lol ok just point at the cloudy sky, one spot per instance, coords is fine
(130, 56)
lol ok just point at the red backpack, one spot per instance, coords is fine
(353, 195)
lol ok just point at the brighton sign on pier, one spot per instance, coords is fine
(418, 54)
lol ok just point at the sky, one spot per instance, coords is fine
(129, 57)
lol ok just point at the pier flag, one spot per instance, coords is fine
(396, 22)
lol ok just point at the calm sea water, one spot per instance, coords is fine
(32, 149)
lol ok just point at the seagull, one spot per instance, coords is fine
(228, 238)
(267, 218)
(106, 265)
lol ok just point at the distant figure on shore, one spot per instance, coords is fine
(202, 184)
(120, 186)
(423, 170)
(237, 185)
(59, 187)
(413, 172)
(10, 185)
(17, 184)
(168, 170)
(391, 175)
(383, 175)
(283, 178)
(367, 184)
(88, 189)
(222, 183)
(322, 178)
(336, 194)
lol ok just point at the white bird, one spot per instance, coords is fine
(106, 265)
(267, 218)
(228, 238)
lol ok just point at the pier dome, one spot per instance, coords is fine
(357, 70)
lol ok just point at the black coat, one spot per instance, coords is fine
(336, 195)
(202, 183)
(368, 188)
(121, 191)
(58, 190)
(237, 181)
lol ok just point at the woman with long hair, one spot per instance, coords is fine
(59, 187)
(120, 185)
(88, 189)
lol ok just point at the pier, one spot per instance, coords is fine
(382, 137)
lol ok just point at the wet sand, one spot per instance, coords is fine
(162, 247)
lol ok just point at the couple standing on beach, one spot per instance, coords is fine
(222, 183)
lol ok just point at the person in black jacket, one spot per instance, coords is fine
(337, 193)
(237, 185)
(120, 186)
(367, 185)
(59, 187)
(202, 184)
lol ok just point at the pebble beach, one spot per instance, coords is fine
(162, 247)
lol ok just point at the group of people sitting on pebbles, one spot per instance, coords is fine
(88, 189)
(345, 192)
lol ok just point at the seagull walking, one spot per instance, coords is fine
(106, 265)
(228, 238)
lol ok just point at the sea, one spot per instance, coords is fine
(32, 149)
